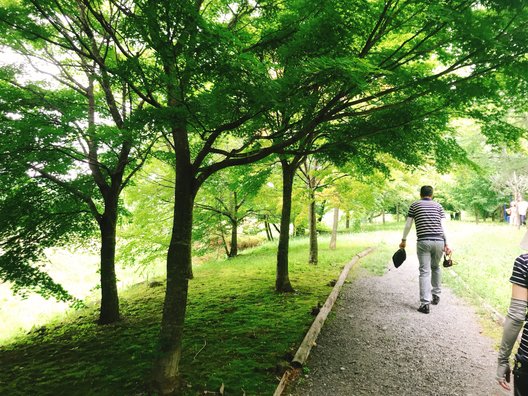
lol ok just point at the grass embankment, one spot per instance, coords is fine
(237, 330)
(484, 254)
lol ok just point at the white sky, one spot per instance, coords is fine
(8, 57)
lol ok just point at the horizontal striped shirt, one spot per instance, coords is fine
(519, 277)
(427, 215)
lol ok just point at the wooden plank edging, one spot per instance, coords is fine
(309, 339)
(494, 314)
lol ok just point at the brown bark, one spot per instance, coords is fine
(233, 251)
(109, 310)
(224, 242)
(333, 238)
(282, 282)
(312, 227)
(233, 218)
(110, 190)
(269, 234)
(166, 378)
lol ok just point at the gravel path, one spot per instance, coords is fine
(377, 344)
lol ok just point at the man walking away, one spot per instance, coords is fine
(429, 217)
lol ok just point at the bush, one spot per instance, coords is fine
(250, 241)
(323, 229)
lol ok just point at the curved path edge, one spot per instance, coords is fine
(311, 335)
(379, 344)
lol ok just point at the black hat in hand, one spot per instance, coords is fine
(399, 257)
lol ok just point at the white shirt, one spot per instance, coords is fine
(522, 207)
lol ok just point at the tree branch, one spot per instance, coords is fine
(83, 197)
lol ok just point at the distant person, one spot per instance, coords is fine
(429, 217)
(522, 207)
(514, 213)
(512, 325)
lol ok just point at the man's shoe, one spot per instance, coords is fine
(436, 299)
(424, 309)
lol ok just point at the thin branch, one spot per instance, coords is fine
(371, 39)
(216, 133)
(201, 349)
(139, 166)
(83, 197)
(213, 209)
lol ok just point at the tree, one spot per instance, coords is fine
(86, 136)
(282, 279)
(53, 135)
(475, 193)
(229, 194)
(355, 197)
(516, 184)
(268, 201)
(144, 234)
(336, 202)
(484, 186)
(316, 175)
(416, 93)
(335, 225)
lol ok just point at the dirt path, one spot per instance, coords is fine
(377, 344)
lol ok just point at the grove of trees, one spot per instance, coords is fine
(213, 99)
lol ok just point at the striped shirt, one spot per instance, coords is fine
(427, 215)
(520, 277)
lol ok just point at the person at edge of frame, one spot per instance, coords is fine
(514, 322)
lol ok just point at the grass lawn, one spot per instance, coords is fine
(237, 330)
(484, 254)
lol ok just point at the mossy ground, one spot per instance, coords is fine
(238, 329)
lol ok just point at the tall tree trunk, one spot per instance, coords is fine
(347, 219)
(233, 251)
(166, 378)
(109, 311)
(282, 281)
(398, 212)
(224, 243)
(269, 235)
(383, 216)
(323, 206)
(312, 226)
(333, 238)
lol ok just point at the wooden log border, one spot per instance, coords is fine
(493, 313)
(309, 339)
